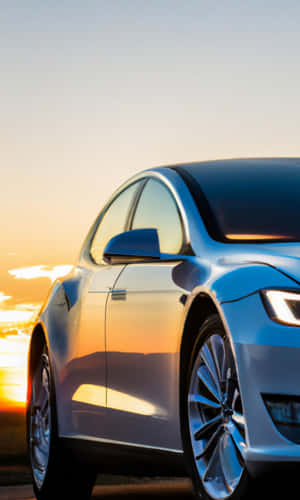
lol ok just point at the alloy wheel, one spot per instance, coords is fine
(40, 421)
(216, 420)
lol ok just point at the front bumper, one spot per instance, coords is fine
(268, 362)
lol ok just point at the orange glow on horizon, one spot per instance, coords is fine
(13, 370)
(13, 396)
(16, 322)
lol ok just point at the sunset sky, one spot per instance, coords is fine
(94, 91)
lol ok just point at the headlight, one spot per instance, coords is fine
(282, 306)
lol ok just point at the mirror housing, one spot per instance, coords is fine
(133, 246)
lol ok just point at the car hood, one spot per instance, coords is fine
(284, 257)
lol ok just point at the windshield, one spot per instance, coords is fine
(247, 200)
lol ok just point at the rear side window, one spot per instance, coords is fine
(113, 222)
(157, 209)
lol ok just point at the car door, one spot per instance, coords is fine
(86, 371)
(143, 331)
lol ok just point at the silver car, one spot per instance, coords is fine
(173, 347)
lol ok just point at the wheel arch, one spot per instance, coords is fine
(202, 304)
(38, 340)
(201, 307)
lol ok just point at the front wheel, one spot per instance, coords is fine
(55, 473)
(213, 419)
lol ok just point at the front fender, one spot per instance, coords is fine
(267, 359)
(245, 280)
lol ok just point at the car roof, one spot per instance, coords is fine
(237, 162)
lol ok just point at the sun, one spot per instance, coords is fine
(13, 371)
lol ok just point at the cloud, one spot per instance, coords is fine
(33, 272)
(19, 315)
(16, 315)
(3, 297)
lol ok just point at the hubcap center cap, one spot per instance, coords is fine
(226, 410)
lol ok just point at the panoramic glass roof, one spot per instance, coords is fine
(247, 200)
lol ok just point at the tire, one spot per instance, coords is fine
(214, 436)
(55, 473)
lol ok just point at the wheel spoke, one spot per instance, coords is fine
(207, 359)
(207, 428)
(40, 422)
(239, 420)
(39, 459)
(43, 448)
(238, 440)
(212, 466)
(42, 401)
(228, 360)
(211, 443)
(216, 421)
(205, 378)
(218, 353)
(201, 400)
(230, 464)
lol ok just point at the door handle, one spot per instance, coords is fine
(118, 294)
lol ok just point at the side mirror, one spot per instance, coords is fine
(132, 246)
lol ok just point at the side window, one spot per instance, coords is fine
(113, 222)
(157, 209)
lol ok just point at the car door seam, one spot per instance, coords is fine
(105, 332)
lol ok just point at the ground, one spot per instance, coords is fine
(12, 437)
(175, 488)
(15, 480)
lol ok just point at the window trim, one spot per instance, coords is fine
(185, 248)
(205, 211)
(85, 260)
(128, 219)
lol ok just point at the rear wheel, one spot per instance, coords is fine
(213, 420)
(55, 473)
